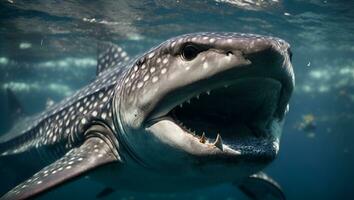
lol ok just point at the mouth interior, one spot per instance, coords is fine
(244, 109)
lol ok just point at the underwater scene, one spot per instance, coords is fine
(139, 99)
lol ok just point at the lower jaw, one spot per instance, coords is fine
(251, 147)
(257, 150)
(252, 150)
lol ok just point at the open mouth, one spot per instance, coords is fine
(232, 114)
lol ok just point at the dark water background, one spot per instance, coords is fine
(48, 50)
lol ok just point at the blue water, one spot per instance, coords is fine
(48, 50)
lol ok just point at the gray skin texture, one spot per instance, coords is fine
(132, 98)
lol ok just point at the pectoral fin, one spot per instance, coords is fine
(261, 187)
(94, 152)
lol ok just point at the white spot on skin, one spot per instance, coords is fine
(100, 95)
(94, 113)
(173, 44)
(140, 84)
(165, 60)
(143, 66)
(104, 115)
(146, 77)
(229, 40)
(155, 79)
(205, 38)
(212, 40)
(151, 55)
(163, 70)
(83, 121)
(132, 76)
(158, 60)
(39, 182)
(205, 65)
(152, 69)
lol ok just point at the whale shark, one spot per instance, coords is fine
(198, 110)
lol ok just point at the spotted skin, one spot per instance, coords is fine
(76, 160)
(62, 124)
(57, 137)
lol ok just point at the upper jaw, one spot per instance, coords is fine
(266, 61)
(176, 98)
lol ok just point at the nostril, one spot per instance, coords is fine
(229, 53)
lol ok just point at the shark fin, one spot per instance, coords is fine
(94, 152)
(109, 56)
(16, 110)
(105, 192)
(261, 187)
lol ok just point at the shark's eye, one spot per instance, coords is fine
(189, 52)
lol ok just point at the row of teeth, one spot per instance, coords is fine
(203, 139)
(217, 143)
(197, 97)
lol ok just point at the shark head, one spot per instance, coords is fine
(206, 103)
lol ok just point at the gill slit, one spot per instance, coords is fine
(117, 121)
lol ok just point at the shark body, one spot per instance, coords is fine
(199, 109)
